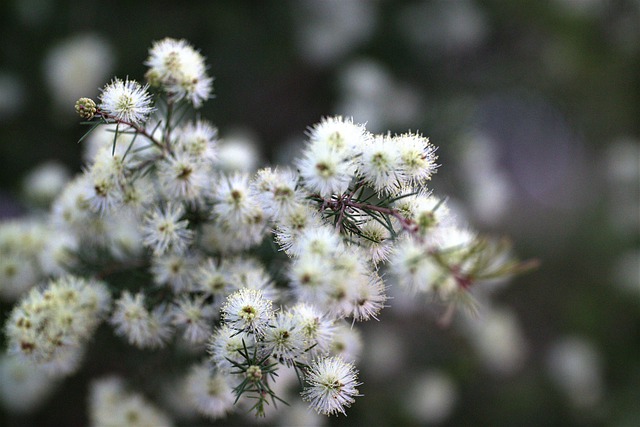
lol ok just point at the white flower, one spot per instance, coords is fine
(179, 70)
(339, 134)
(418, 157)
(276, 191)
(414, 267)
(369, 298)
(225, 346)
(196, 318)
(111, 405)
(247, 310)
(45, 182)
(209, 391)
(380, 165)
(316, 328)
(175, 270)
(76, 66)
(183, 177)
(163, 230)
(285, 339)
(141, 327)
(325, 170)
(49, 326)
(101, 190)
(212, 280)
(234, 201)
(199, 139)
(126, 101)
(427, 211)
(331, 386)
(346, 342)
(321, 240)
(291, 225)
(310, 277)
(376, 239)
(23, 388)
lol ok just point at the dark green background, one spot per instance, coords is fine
(502, 85)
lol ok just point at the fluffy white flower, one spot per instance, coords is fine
(110, 404)
(234, 199)
(379, 164)
(376, 239)
(414, 268)
(418, 157)
(339, 134)
(325, 170)
(163, 230)
(248, 310)
(209, 392)
(49, 326)
(225, 346)
(141, 327)
(195, 316)
(126, 101)
(285, 338)
(346, 342)
(179, 70)
(276, 191)
(23, 388)
(199, 139)
(317, 329)
(76, 67)
(331, 386)
(175, 270)
(368, 298)
(183, 177)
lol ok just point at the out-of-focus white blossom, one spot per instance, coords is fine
(209, 391)
(111, 405)
(77, 67)
(179, 70)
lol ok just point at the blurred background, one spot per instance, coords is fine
(535, 108)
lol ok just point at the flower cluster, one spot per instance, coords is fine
(175, 238)
(50, 325)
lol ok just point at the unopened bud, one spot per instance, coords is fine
(86, 108)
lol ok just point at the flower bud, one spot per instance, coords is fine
(86, 108)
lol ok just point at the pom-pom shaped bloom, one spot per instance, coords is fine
(276, 190)
(225, 346)
(316, 328)
(325, 170)
(339, 134)
(209, 392)
(285, 339)
(418, 157)
(199, 139)
(327, 165)
(248, 310)
(23, 388)
(141, 327)
(163, 230)
(414, 268)
(234, 200)
(331, 385)
(179, 69)
(195, 316)
(126, 101)
(183, 177)
(379, 164)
